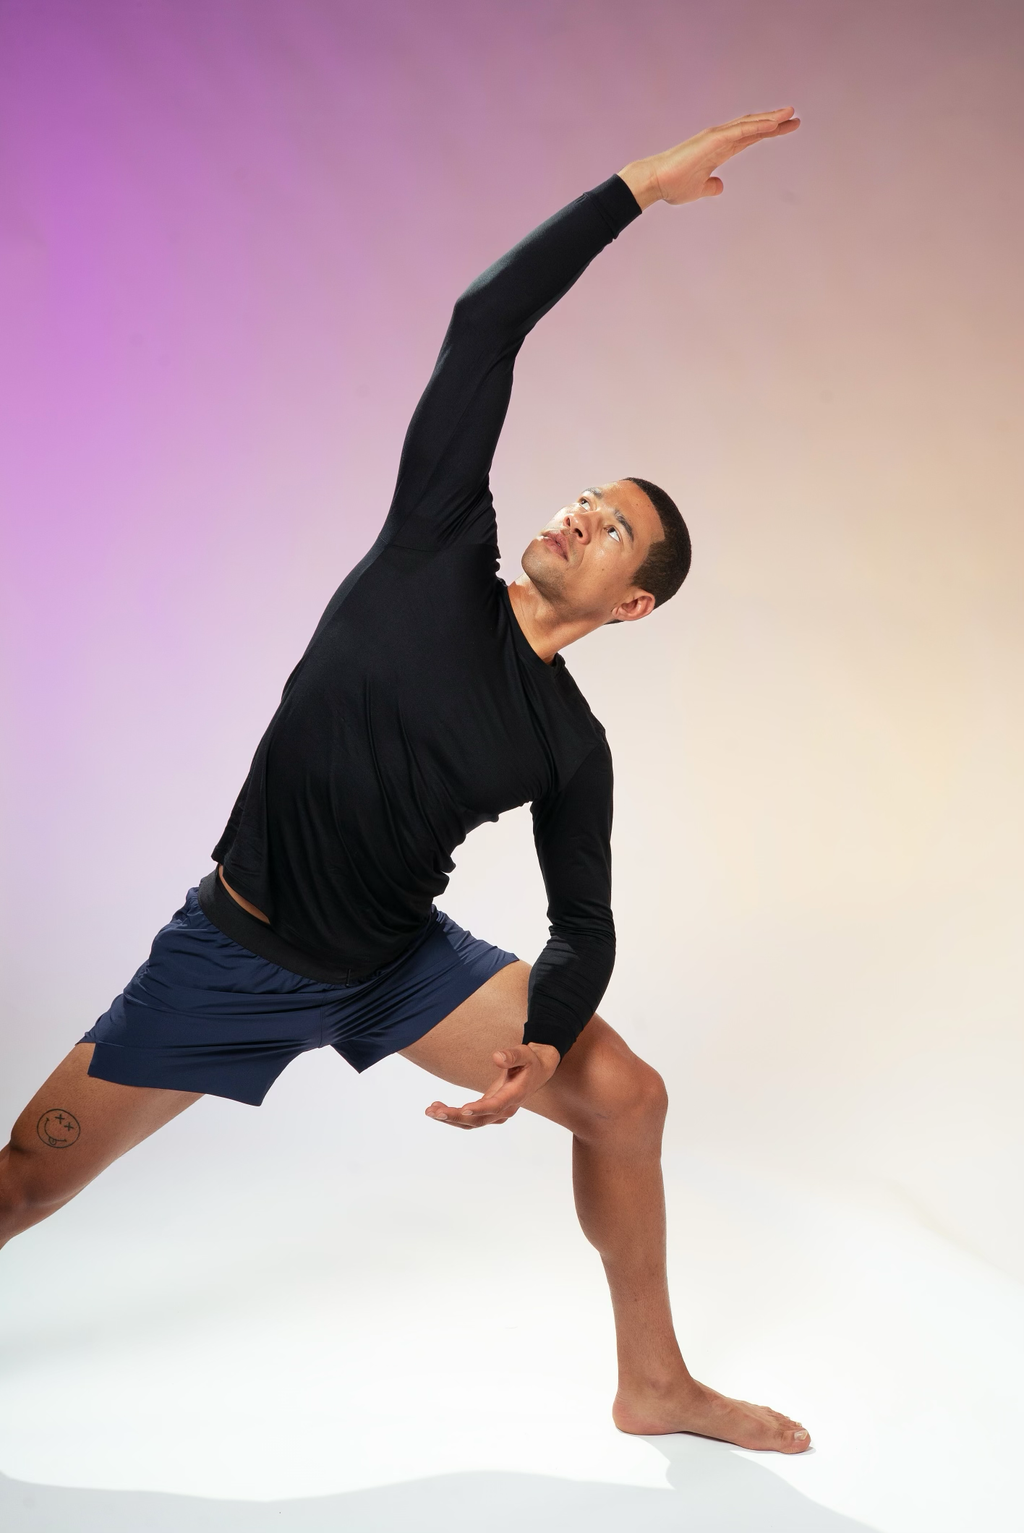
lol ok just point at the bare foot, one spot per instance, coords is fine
(692, 1407)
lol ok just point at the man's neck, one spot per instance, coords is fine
(545, 629)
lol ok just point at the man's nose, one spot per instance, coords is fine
(577, 527)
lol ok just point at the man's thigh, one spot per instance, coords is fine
(461, 1048)
(76, 1124)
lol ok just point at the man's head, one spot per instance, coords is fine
(613, 556)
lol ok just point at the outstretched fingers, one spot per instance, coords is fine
(498, 1103)
(474, 1114)
(685, 172)
(754, 123)
(741, 132)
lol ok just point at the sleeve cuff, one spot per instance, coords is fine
(616, 204)
(563, 1043)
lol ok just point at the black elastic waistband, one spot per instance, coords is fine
(228, 916)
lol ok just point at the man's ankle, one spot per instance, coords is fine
(658, 1382)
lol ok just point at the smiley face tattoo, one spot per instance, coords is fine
(58, 1128)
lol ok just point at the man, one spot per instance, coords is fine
(430, 698)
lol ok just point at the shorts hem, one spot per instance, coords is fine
(466, 981)
(141, 1067)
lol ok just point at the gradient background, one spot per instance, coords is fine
(230, 236)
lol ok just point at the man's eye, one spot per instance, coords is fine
(615, 533)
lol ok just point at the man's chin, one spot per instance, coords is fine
(544, 566)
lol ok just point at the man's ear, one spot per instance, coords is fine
(637, 606)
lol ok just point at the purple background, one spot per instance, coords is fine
(230, 236)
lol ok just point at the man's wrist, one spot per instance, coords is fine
(641, 177)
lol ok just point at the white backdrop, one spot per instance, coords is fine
(230, 237)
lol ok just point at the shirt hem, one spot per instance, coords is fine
(257, 937)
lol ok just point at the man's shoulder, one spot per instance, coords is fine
(398, 578)
(577, 705)
(580, 748)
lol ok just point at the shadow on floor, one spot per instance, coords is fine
(714, 1490)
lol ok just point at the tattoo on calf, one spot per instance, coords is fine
(58, 1128)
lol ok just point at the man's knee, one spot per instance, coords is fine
(24, 1195)
(642, 1092)
(619, 1090)
(14, 1205)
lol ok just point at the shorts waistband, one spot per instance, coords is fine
(257, 937)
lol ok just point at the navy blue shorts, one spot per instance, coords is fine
(205, 1014)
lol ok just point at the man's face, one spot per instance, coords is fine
(584, 560)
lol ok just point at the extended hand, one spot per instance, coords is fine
(685, 173)
(524, 1069)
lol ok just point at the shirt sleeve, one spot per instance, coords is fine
(572, 831)
(442, 495)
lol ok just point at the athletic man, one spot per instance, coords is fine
(431, 697)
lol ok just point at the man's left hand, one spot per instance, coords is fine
(524, 1069)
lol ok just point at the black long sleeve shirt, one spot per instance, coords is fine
(419, 710)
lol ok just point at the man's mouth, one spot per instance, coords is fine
(559, 543)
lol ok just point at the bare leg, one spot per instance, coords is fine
(615, 1106)
(72, 1129)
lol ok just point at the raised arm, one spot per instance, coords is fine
(573, 830)
(442, 494)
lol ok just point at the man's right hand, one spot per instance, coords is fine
(686, 173)
(525, 1068)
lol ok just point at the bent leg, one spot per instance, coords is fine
(72, 1129)
(614, 1105)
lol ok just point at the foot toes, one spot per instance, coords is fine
(792, 1435)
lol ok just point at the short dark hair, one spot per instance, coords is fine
(668, 561)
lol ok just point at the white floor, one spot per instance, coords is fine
(306, 1333)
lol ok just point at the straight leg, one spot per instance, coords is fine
(72, 1129)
